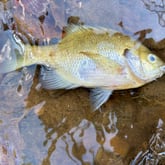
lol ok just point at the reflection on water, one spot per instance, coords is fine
(78, 145)
(38, 126)
(155, 153)
(12, 104)
(158, 8)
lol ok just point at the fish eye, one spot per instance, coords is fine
(151, 58)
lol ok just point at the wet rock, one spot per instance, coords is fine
(153, 92)
(106, 158)
(157, 7)
(38, 20)
(116, 143)
(154, 154)
(6, 158)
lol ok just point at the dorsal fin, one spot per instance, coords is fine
(75, 28)
(71, 28)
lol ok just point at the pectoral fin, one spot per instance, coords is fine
(50, 79)
(99, 96)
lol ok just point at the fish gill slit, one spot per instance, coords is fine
(125, 51)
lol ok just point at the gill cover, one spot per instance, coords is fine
(135, 64)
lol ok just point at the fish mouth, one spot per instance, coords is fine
(162, 68)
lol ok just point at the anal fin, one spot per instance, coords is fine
(99, 96)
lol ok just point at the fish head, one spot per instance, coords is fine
(152, 66)
(144, 64)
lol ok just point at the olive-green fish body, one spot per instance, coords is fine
(97, 58)
(79, 55)
(93, 57)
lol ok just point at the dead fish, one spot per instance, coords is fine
(97, 58)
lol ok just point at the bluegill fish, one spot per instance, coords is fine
(97, 58)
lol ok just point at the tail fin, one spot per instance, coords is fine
(11, 52)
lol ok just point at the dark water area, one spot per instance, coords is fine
(52, 127)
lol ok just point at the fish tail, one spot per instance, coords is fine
(12, 53)
(17, 59)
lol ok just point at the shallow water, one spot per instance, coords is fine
(44, 127)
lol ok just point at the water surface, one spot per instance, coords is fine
(41, 127)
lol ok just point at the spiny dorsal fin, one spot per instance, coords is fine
(73, 28)
(98, 30)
